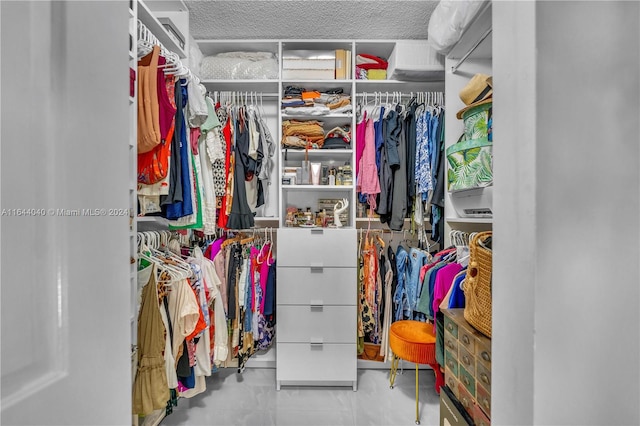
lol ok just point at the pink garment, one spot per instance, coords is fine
(253, 269)
(444, 279)
(361, 128)
(194, 136)
(219, 264)
(166, 111)
(264, 272)
(367, 181)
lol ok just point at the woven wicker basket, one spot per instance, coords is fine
(477, 284)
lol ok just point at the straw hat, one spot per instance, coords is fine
(478, 91)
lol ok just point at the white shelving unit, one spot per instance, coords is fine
(471, 55)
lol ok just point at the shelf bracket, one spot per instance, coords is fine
(474, 47)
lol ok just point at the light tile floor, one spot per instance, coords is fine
(251, 398)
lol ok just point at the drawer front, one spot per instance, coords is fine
(466, 399)
(480, 417)
(451, 362)
(318, 247)
(467, 339)
(467, 381)
(451, 327)
(483, 375)
(483, 353)
(467, 360)
(450, 342)
(317, 286)
(451, 381)
(316, 324)
(484, 400)
(323, 362)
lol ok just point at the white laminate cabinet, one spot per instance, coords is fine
(317, 307)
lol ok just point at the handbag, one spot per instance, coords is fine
(477, 284)
(470, 164)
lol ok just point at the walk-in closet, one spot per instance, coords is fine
(320, 212)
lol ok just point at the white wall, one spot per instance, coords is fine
(567, 218)
(65, 279)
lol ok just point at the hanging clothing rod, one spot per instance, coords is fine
(362, 94)
(474, 47)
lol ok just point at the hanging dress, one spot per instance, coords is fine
(150, 388)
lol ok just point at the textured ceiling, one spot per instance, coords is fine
(310, 19)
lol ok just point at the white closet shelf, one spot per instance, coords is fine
(318, 117)
(262, 85)
(297, 153)
(469, 220)
(319, 188)
(370, 86)
(157, 29)
(480, 25)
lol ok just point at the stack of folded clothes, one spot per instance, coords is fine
(302, 134)
(300, 101)
(370, 67)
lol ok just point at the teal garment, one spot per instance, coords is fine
(425, 295)
(212, 120)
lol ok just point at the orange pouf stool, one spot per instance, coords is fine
(414, 341)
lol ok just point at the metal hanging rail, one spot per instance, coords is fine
(474, 47)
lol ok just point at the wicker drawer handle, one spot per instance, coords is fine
(465, 402)
(485, 355)
(466, 381)
(450, 344)
(450, 363)
(465, 339)
(485, 378)
(485, 402)
(466, 360)
(449, 327)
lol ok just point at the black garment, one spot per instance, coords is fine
(384, 199)
(391, 254)
(410, 135)
(270, 297)
(235, 260)
(383, 274)
(241, 216)
(399, 203)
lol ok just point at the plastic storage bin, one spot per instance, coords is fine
(415, 60)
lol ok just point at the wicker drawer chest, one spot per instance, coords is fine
(467, 358)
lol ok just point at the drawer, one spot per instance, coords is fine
(450, 326)
(483, 375)
(467, 339)
(316, 324)
(483, 352)
(466, 399)
(451, 381)
(484, 400)
(317, 247)
(322, 362)
(450, 342)
(467, 360)
(451, 362)
(467, 380)
(480, 418)
(317, 286)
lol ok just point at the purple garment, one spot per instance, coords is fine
(444, 279)
(166, 111)
(360, 132)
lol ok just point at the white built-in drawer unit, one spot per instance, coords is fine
(317, 307)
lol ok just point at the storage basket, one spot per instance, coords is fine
(477, 284)
(470, 164)
(478, 121)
